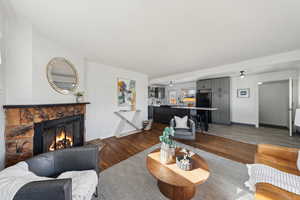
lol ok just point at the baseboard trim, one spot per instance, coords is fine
(273, 126)
(243, 124)
(228, 124)
(128, 133)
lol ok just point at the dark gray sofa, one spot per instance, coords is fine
(181, 133)
(53, 164)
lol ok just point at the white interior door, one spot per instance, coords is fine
(290, 106)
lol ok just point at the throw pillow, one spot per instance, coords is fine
(181, 122)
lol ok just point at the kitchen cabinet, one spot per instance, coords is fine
(150, 112)
(221, 100)
(165, 114)
(219, 88)
(156, 92)
(151, 92)
(204, 84)
(159, 92)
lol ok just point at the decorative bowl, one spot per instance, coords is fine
(184, 164)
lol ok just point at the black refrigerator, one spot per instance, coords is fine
(204, 99)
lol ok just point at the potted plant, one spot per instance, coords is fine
(79, 96)
(167, 150)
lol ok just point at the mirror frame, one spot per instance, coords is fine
(55, 87)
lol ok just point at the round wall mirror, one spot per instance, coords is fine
(62, 75)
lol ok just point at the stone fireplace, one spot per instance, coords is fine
(35, 129)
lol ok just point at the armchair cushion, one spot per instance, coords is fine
(183, 133)
(181, 122)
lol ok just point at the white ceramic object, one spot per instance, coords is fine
(166, 153)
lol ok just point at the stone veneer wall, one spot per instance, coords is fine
(19, 127)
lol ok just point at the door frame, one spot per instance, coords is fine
(291, 103)
(291, 107)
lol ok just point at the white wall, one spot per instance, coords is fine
(23, 80)
(18, 62)
(246, 110)
(2, 94)
(274, 103)
(28, 54)
(43, 50)
(101, 84)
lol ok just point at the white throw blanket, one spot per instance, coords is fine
(84, 183)
(13, 178)
(260, 173)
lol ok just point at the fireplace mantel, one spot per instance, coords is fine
(20, 121)
(43, 105)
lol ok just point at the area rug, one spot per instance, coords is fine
(130, 179)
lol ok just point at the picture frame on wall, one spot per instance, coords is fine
(243, 92)
(126, 93)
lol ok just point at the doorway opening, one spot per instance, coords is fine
(274, 104)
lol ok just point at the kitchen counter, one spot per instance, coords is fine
(164, 114)
(195, 108)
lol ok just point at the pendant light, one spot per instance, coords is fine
(242, 74)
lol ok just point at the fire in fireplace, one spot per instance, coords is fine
(58, 134)
(61, 141)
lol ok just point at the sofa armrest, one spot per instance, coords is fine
(76, 159)
(192, 126)
(60, 189)
(54, 163)
(285, 153)
(172, 123)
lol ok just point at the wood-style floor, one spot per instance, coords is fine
(118, 149)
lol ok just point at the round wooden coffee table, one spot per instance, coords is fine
(174, 183)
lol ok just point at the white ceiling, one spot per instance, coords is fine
(171, 36)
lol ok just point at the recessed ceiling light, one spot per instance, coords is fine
(259, 83)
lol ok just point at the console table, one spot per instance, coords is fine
(124, 121)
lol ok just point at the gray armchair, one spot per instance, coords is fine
(182, 133)
(52, 164)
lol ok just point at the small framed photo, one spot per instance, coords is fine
(243, 93)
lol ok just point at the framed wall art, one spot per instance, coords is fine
(243, 92)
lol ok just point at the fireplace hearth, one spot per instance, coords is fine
(58, 134)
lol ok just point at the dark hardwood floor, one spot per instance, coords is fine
(118, 149)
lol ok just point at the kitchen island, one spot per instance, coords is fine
(164, 114)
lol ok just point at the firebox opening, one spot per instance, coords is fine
(58, 134)
(61, 141)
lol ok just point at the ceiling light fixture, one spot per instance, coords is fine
(171, 83)
(242, 74)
